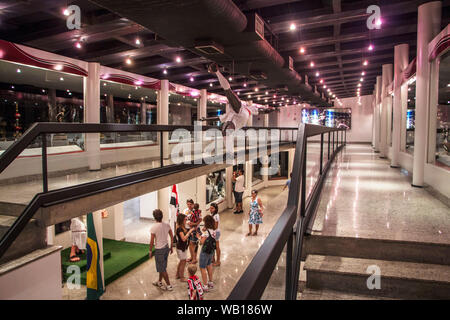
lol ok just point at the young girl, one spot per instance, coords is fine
(207, 240)
(255, 213)
(182, 235)
(214, 211)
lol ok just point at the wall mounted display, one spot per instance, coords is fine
(329, 117)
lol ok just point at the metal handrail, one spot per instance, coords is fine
(46, 198)
(298, 213)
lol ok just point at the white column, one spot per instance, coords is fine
(428, 26)
(201, 105)
(266, 120)
(97, 219)
(163, 113)
(401, 57)
(113, 224)
(377, 114)
(143, 119)
(248, 177)
(385, 101)
(201, 192)
(92, 114)
(163, 202)
(374, 98)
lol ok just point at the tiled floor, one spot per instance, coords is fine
(237, 252)
(363, 197)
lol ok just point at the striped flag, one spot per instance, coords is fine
(94, 278)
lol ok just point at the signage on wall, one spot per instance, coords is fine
(73, 13)
(374, 20)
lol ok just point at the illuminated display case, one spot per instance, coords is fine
(329, 117)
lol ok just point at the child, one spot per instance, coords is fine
(208, 241)
(194, 220)
(182, 235)
(195, 290)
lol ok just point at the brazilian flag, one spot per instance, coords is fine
(94, 255)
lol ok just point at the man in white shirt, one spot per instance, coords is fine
(159, 234)
(239, 190)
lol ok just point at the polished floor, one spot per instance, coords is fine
(237, 252)
(363, 197)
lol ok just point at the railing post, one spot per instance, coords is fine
(289, 275)
(333, 141)
(345, 137)
(321, 152)
(329, 142)
(161, 149)
(44, 163)
(303, 191)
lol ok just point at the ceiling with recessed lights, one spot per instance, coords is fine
(327, 39)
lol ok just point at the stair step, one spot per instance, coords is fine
(311, 294)
(381, 249)
(32, 237)
(82, 264)
(398, 279)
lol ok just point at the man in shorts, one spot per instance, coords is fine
(239, 191)
(159, 234)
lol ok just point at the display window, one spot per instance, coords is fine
(442, 155)
(215, 186)
(329, 117)
(411, 116)
(30, 94)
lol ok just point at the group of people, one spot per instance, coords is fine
(190, 236)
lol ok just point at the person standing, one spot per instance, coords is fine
(255, 213)
(182, 236)
(159, 234)
(239, 190)
(208, 242)
(214, 211)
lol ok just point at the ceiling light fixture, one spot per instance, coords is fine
(178, 59)
(317, 74)
(292, 27)
(138, 41)
(370, 47)
(365, 63)
(311, 64)
(302, 50)
(128, 61)
(165, 71)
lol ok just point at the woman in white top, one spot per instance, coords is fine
(214, 211)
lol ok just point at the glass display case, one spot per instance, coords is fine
(330, 117)
(215, 186)
(443, 114)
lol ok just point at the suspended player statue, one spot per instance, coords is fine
(240, 111)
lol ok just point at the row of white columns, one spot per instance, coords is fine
(429, 21)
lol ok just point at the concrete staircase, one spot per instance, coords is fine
(337, 268)
(32, 238)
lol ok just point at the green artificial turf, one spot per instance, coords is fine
(119, 257)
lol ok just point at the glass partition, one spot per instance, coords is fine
(411, 117)
(29, 95)
(443, 114)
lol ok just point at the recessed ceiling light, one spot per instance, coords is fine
(256, 89)
(321, 81)
(178, 59)
(267, 92)
(370, 47)
(165, 71)
(78, 45)
(19, 71)
(230, 79)
(128, 61)
(302, 50)
(66, 12)
(138, 41)
(61, 79)
(210, 84)
(363, 73)
(292, 27)
(311, 64)
(58, 67)
(191, 79)
(365, 63)
(317, 74)
(245, 85)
